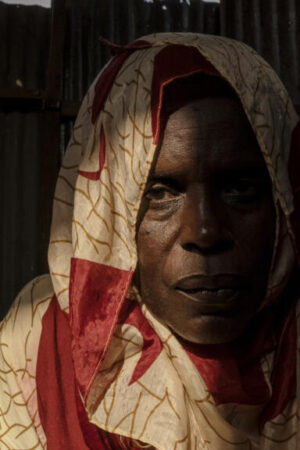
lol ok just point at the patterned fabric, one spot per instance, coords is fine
(79, 349)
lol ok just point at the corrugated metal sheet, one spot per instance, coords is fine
(20, 137)
(24, 45)
(24, 50)
(29, 164)
(120, 22)
(29, 140)
(272, 27)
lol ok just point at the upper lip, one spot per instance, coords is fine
(215, 294)
(215, 282)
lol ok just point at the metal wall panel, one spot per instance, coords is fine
(121, 22)
(29, 166)
(24, 46)
(28, 139)
(24, 52)
(21, 139)
(272, 27)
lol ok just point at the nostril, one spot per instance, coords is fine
(217, 247)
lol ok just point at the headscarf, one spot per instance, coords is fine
(94, 353)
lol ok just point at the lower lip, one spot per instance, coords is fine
(215, 301)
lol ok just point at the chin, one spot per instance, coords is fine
(212, 330)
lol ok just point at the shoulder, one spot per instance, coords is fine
(19, 341)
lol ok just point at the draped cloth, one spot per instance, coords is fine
(83, 363)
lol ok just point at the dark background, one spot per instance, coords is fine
(48, 59)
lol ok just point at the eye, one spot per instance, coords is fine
(244, 190)
(160, 193)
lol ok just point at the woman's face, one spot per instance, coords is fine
(206, 225)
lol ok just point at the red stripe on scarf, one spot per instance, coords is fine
(97, 293)
(65, 425)
(63, 416)
(167, 69)
(102, 89)
(109, 73)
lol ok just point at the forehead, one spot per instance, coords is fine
(208, 129)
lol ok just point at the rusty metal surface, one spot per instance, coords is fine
(272, 27)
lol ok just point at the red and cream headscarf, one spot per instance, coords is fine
(84, 364)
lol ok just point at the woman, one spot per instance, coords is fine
(170, 317)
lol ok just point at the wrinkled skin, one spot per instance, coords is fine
(207, 224)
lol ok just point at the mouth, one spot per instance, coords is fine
(215, 294)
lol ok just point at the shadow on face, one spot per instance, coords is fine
(207, 223)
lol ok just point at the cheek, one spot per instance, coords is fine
(154, 241)
(255, 236)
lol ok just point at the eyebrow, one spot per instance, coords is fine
(171, 179)
(167, 177)
(167, 174)
(248, 167)
(254, 170)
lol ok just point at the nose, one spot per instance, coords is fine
(203, 224)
